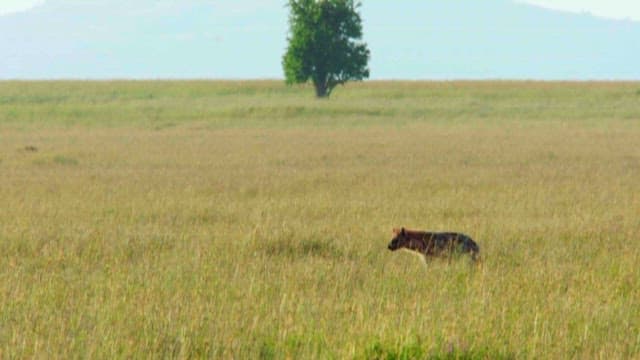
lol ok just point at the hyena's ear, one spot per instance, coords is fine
(402, 232)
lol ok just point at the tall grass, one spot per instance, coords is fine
(248, 220)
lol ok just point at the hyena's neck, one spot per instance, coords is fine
(417, 244)
(423, 235)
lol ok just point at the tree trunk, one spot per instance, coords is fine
(321, 90)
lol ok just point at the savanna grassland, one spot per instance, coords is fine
(249, 220)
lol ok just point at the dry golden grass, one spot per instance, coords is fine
(245, 220)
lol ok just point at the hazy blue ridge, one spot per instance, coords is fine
(411, 39)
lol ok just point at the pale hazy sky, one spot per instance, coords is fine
(12, 6)
(616, 9)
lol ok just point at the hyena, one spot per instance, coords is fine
(434, 243)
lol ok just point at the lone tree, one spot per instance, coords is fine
(325, 44)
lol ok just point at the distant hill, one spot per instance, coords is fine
(500, 39)
(410, 39)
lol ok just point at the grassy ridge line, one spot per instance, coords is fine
(267, 237)
(228, 104)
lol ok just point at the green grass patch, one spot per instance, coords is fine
(416, 350)
(64, 160)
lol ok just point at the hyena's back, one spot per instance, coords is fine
(452, 241)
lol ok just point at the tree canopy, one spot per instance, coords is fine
(325, 44)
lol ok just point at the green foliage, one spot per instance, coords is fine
(324, 44)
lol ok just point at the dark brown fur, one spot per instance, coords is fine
(431, 244)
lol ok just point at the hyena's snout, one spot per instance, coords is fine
(394, 244)
(391, 245)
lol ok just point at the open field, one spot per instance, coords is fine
(249, 220)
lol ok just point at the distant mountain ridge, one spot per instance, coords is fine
(412, 39)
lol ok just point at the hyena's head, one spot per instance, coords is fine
(400, 239)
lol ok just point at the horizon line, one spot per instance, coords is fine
(267, 79)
